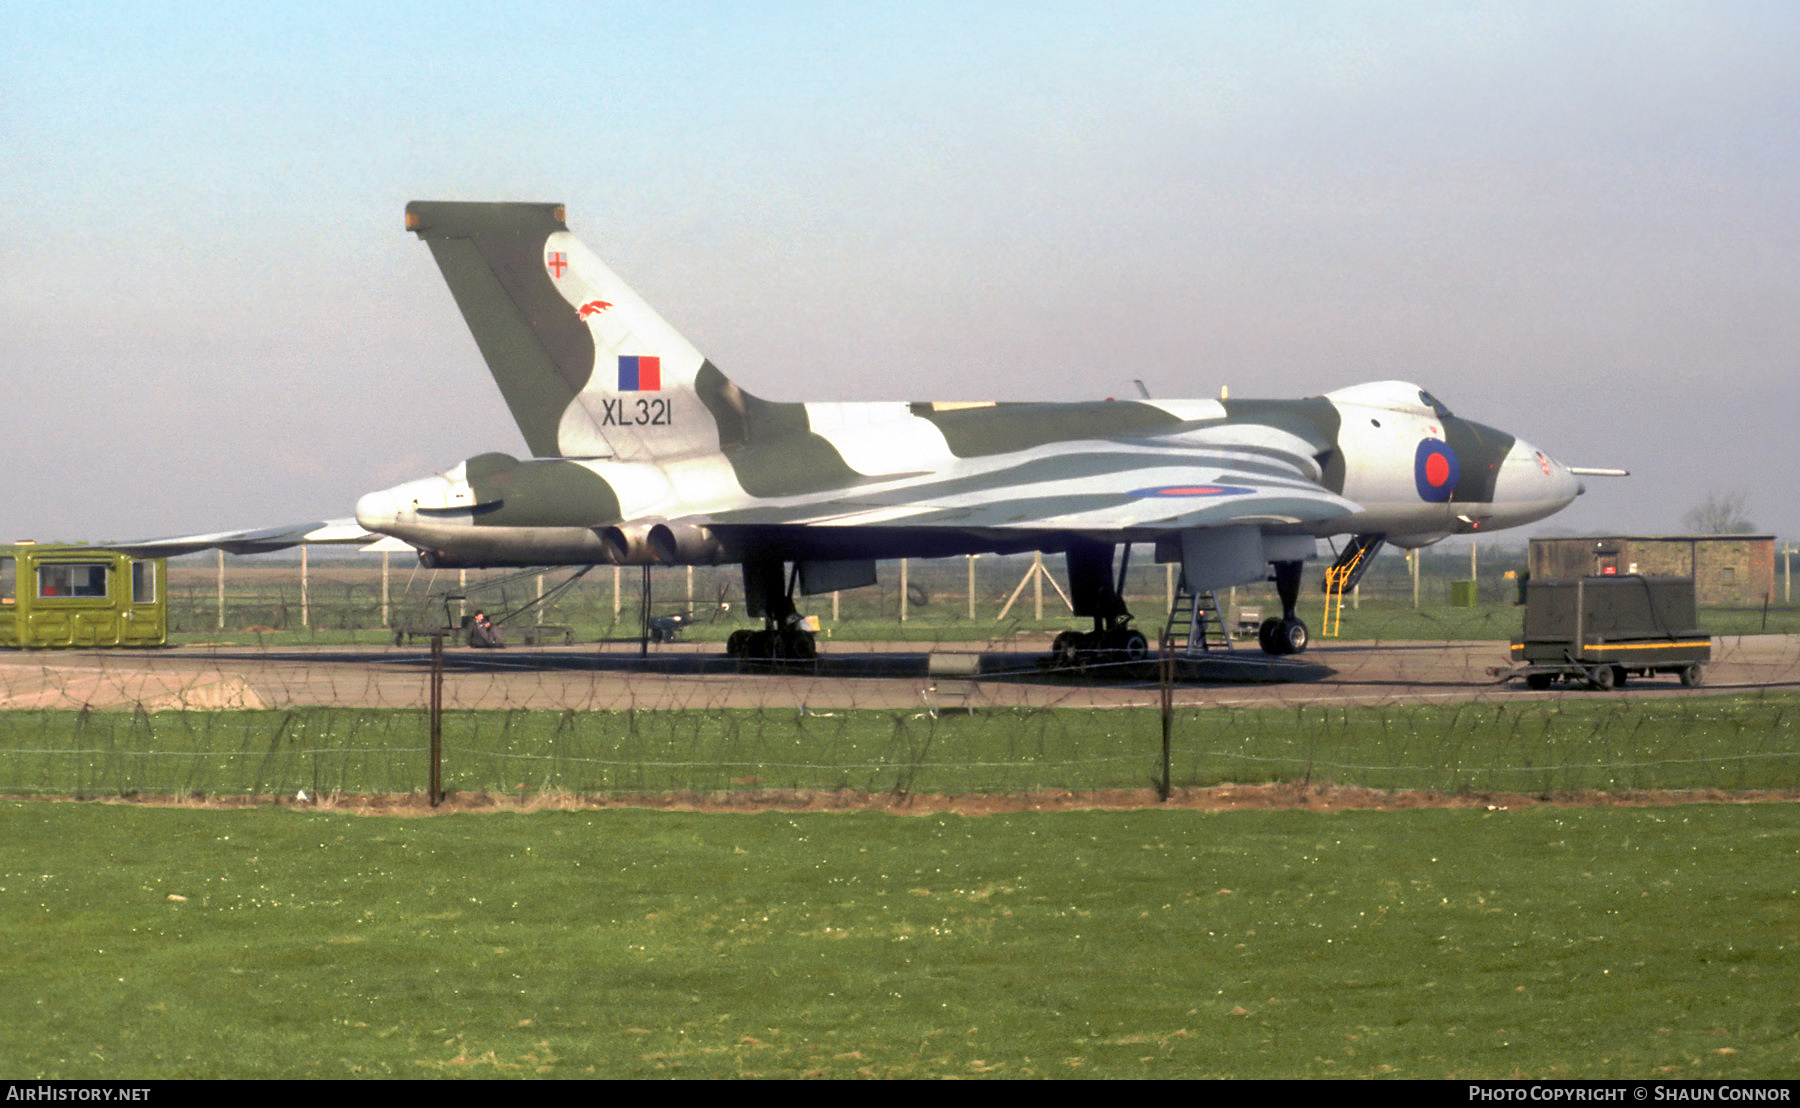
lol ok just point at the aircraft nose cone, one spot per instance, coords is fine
(1564, 486)
(1532, 484)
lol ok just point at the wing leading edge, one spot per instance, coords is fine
(264, 540)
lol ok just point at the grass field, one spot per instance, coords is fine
(1542, 942)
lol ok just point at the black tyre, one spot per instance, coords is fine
(1538, 682)
(1266, 636)
(1602, 678)
(1135, 647)
(1294, 636)
(1692, 676)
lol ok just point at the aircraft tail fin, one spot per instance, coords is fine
(586, 367)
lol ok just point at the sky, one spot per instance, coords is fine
(1578, 223)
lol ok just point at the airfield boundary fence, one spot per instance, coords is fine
(265, 594)
(276, 724)
(338, 707)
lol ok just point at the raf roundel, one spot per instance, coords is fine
(1192, 490)
(1435, 471)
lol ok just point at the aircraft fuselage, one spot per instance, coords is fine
(888, 480)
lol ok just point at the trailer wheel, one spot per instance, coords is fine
(1538, 682)
(1602, 678)
(1691, 676)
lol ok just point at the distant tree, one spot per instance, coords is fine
(1721, 514)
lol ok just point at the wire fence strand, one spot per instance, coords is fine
(1410, 699)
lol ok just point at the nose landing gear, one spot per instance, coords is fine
(1282, 636)
(1288, 634)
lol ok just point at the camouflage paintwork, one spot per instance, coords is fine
(644, 450)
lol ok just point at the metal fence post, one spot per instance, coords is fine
(436, 786)
(1166, 666)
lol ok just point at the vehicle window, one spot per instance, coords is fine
(8, 566)
(143, 582)
(84, 579)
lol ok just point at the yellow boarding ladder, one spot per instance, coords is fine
(1343, 575)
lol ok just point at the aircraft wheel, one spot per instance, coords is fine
(799, 644)
(1265, 636)
(1538, 682)
(1066, 649)
(1293, 636)
(737, 642)
(1620, 676)
(1691, 676)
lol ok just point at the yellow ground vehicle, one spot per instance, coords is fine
(53, 596)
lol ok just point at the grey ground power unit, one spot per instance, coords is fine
(1601, 630)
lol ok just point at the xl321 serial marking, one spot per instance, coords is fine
(645, 411)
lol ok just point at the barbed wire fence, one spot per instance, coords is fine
(326, 691)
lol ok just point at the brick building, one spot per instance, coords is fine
(1727, 569)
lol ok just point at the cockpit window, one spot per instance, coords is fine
(1434, 404)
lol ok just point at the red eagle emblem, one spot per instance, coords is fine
(593, 307)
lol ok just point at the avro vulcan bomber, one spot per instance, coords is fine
(643, 452)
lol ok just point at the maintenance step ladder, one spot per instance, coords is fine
(1195, 623)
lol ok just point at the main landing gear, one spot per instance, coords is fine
(778, 643)
(784, 635)
(1093, 592)
(1286, 635)
(1118, 643)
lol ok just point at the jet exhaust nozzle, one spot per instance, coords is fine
(659, 542)
(627, 544)
(686, 544)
